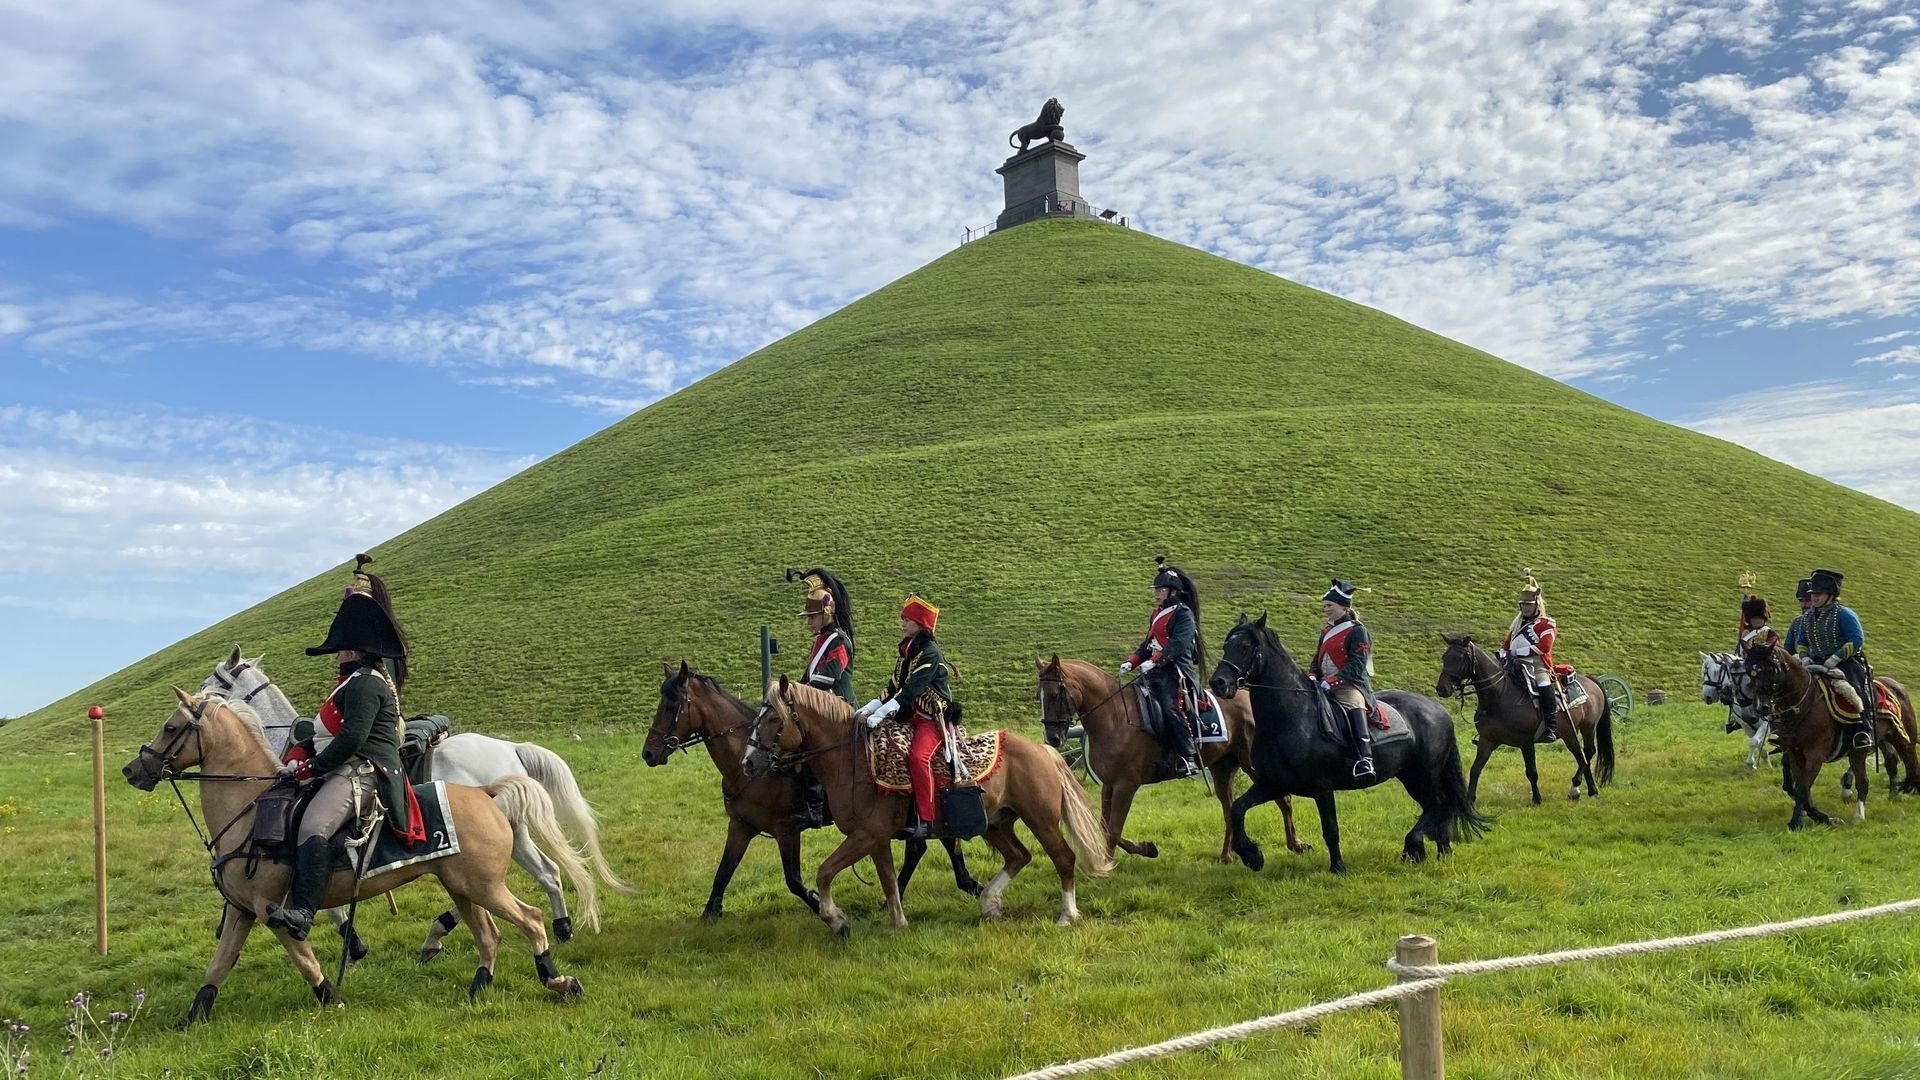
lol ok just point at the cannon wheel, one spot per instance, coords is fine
(1619, 695)
(1074, 749)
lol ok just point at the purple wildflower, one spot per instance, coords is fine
(106, 1052)
(140, 996)
(116, 1017)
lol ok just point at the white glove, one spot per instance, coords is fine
(1501, 655)
(1126, 667)
(872, 722)
(886, 710)
(286, 769)
(866, 710)
(1146, 666)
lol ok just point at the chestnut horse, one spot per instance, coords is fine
(224, 738)
(696, 710)
(1123, 757)
(1504, 715)
(1032, 784)
(1810, 736)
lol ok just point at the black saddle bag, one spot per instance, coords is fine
(963, 811)
(273, 816)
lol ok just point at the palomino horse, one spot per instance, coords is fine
(1292, 756)
(696, 710)
(224, 738)
(1505, 715)
(1724, 680)
(1123, 757)
(1033, 784)
(465, 758)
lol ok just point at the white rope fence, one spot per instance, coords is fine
(1426, 979)
(1227, 1034)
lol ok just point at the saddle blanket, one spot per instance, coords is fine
(1213, 726)
(390, 853)
(1842, 705)
(887, 756)
(1395, 729)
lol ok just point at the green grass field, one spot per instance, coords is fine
(1014, 431)
(1686, 841)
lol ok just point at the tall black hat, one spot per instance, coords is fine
(1754, 607)
(365, 622)
(824, 592)
(1826, 581)
(1804, 589)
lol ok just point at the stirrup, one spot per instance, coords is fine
(917, 830)
(1863, 739)
(1363, 767)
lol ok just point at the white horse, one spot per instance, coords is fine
(1725, 680)
(465, 758)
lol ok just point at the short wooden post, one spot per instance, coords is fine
(1421, 1055)
(98, 717)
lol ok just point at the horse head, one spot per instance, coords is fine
(208, 731)
(1456, 665)
(1058, 707)
(1250, 650)
(778, 729)
(673, 721)
(243, 680)
(1714, 670)
(1777, 675)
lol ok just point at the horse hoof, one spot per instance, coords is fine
(843, 930)
(973, 889)
(482, 978)
(1064, 920)
(563, 928)
(566, 986)
(427, 955)
(1149, 850)
(1338, 868)
(325, 994)
(712, 913)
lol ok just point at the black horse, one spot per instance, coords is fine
(1292, 757)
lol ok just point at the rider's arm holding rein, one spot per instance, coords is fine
(359, 701)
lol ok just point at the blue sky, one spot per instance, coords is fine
(279, 281)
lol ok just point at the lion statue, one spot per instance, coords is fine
(1047, 127)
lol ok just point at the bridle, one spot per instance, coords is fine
(778, 761)
(1765, 692)
(1242, 675)
(1471, 681)
(164, 770)
(698, 738)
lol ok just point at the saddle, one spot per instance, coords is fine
(1383, 721)
(1843, 699)
(276, 825)
(980, 756)
(419, 735)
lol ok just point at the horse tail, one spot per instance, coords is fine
(1084, 830)
(1459, 817)
(527, 806)
(572, 808)
(1604, 732)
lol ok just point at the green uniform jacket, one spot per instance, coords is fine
(370, 729)
(920, 679)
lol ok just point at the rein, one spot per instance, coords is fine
(698, 738)
(173, 779)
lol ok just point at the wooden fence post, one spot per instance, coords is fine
(99, 829)
(1421, 1054)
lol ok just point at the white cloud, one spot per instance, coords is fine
(1866, 439)
(1905, 354)
(155, 516)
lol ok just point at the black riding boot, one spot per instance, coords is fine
(312, 865)
(1175, 739)
(810, 802)
(1549, 709)
(1362, 741)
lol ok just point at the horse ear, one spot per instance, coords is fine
(1261, 622)
(783, 683)
(234, 660)
(182, 695)
(684, 670)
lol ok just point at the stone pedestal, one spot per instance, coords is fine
(1042, 181)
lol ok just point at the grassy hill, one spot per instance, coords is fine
(1014, 431)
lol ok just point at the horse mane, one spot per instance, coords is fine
(250, 720)
(815, 699)
(676, 684)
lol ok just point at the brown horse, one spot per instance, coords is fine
(1123, 757)
(1505, 715)
(696, 710)
(225, 740)
(1032, 784)
(1807, 732)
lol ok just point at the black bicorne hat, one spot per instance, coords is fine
(1826, 581)
(365, 622)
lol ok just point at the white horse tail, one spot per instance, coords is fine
(551, 770)
(526, 805)
(1084, 830)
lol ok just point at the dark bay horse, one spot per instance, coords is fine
(1032, 784)
(1504, 715)
(1291, 756)
(1123, 757)
(695, 710)
(1808, 734)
